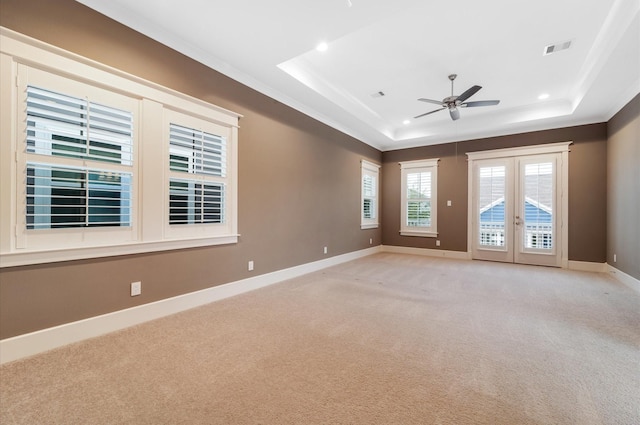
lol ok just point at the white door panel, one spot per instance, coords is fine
(536, 220)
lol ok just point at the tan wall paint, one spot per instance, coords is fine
(587, 189)
(299, 185)
(623, 189)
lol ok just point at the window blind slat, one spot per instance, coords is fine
(58, 115)
(117, 116)
(37, 92)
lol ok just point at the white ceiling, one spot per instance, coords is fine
(406, 49)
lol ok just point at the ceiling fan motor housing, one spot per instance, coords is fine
(451, 101)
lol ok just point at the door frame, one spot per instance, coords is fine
(563, 187)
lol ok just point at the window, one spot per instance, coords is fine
(197, 176)
(369, 199)
(89, 154)
(192, 201)
(76, 132)
(76, 167)
(419, 198)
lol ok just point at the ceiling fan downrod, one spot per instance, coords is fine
(452, 77)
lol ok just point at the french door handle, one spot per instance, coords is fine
(517, 222)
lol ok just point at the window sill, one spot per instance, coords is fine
(369, 226)
(418, 233)
(14, 259)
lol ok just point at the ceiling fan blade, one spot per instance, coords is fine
(427, 113)
(455, 113)
(466, 95)
(436, 102)
(480, 103)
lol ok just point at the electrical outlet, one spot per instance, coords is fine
(449, 203)
(325, 249)
(250, 266)
(370, 241)
(136, 288)
(437, 243)
(615, 258)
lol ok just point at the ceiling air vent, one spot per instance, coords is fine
(554, 48)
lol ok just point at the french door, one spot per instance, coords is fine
(517, 208)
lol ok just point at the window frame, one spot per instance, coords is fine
(150, 100)
(371, 170)
(192, 176)
(28, 75)
(413, 167)
(76, 138)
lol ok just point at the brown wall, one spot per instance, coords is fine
(587, 189)
(299, 184)
(623, 189)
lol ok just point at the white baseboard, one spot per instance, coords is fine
(460, 255)
(40, 341)
(628, 280)
(441, 253)
(587, 266)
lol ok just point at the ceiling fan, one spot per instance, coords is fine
(454, 102)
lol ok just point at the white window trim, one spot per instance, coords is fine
(373, 170)
(520, 151)
(17, 49)
(413, 166)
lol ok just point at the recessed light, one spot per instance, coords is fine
(322, 47)
(405, 122)
(543, 96)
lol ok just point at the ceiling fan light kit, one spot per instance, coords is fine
(453, 102)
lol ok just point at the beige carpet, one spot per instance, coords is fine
(387, 339)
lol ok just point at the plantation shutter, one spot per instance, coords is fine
(59, 197)
(62, 125)
(74, 131)
(192, 202)
(197, 152)
(198, 200)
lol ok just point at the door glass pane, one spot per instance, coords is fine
(491, 207)
(538, 206)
